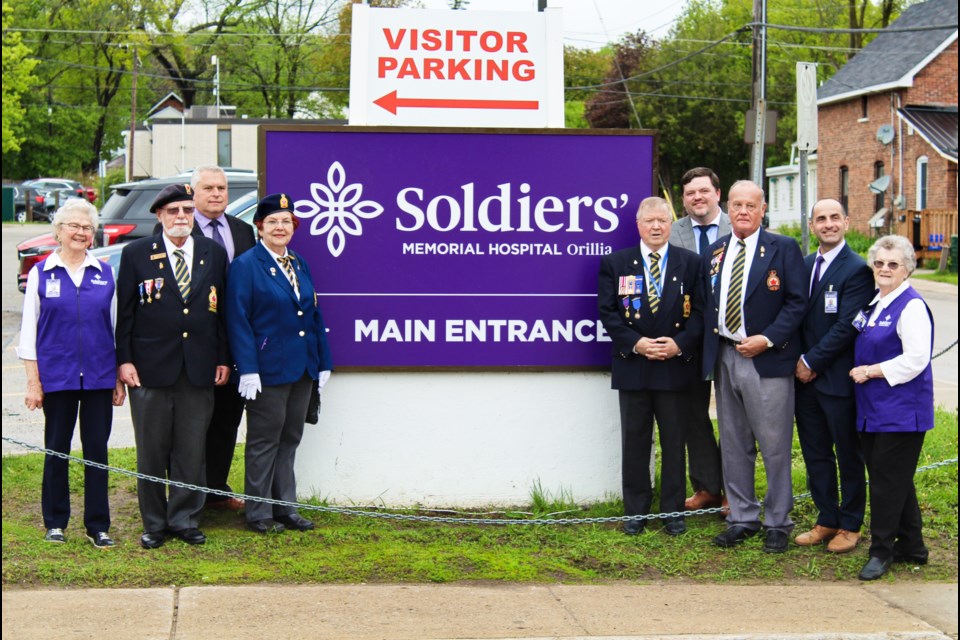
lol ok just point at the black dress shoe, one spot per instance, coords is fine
(266, 525)
(875, 568)
(190, 536)
(733, 536)
(776, 541)
(675, 527)
(295, 521)
(911, 558)
(634, 527)
(152, 540)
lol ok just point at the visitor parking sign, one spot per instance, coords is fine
(415, 67)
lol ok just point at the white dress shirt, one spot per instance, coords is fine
(733, 248)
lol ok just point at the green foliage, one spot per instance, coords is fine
(17, 80)
(859, 242)
(352, 549)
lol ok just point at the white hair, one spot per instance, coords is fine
(76, 205)
(894, 243)
(205, 168)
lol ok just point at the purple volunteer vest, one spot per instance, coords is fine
(75, 343)
(885, 408)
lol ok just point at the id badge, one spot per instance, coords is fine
(830, 302)
(53, 288)
(860, 321)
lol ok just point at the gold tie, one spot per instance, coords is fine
(182, 274)
(652, 295)
(287, 262)
(732, 317)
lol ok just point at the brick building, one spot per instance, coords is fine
(888, 122)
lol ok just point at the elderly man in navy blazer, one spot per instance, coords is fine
(755, 296)
(841, 284)
(649, 306)
(172, 350)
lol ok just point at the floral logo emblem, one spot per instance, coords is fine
(336, 209)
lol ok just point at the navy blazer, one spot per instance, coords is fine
(679, 316)
(773, 303)
(827, 338)
(242, 233)
(272, 332)
(163, 335)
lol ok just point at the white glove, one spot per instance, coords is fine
(324, 376)
(250, 386)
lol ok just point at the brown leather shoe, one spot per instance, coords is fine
(230, 504)
(818, 535)
(844, 542)
(702, 500)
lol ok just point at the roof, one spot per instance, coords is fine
(936, 125)
(893, 58)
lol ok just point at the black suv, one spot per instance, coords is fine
(126, 215)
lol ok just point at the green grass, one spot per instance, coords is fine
(937, 276)
(351, 549)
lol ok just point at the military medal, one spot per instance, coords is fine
(636, 306)
(158, 284)
(148, 287)
(212, 299)
(141, 293)
(626, 307)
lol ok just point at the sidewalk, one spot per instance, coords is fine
(907, 610)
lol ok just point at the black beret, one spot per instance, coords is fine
(273, 203)
(172, 193)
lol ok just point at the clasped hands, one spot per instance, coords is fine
(656, 348)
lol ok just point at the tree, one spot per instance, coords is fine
(17, 79)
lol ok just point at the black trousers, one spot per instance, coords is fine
(706, 472)
(826, 426)
(637, 412)
(60, 409)
(895, 521)
(222, 437)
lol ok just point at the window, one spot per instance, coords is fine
(921, 183)
(864, 111)
(878, 173)
(845, 188)
(223, 147)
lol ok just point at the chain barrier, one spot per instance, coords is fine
(943, 351)
(367, 513)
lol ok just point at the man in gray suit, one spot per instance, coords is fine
(696, 231)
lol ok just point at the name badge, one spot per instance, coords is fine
(831, 302)
(53, 288)
(860, 321)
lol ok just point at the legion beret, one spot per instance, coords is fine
(273, 203)
(172, 193)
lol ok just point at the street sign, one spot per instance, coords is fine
(414, 67)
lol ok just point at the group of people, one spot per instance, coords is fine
(204, 321)
(715, 298)
(201, 322)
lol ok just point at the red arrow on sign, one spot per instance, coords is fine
(391, 102)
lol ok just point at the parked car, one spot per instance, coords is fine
(54, 184)
(41, 209)
(126, 216)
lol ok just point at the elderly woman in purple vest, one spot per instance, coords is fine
(67, 347)
(894, 395)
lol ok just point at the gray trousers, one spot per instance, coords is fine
(754, 411)
(274, 428)
(170, 427)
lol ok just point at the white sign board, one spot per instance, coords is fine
(415, 67)
(807, 106)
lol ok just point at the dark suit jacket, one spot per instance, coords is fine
(243, 237)
(272, 332)
(773, 304)
(682, 235)
(632, 371)
(827, 338)
(164, 337)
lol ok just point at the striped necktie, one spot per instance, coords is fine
(733, 317)
(182, 273)
(287, 262)
(652, 295)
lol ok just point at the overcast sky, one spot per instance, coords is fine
(592, 23)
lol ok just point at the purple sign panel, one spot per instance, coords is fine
(467, 248)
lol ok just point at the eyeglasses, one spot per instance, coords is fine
(73, 227)
(270, 224)
(892, 265)
(186, 209)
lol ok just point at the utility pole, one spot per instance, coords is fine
(759, 90)
(133, 115)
